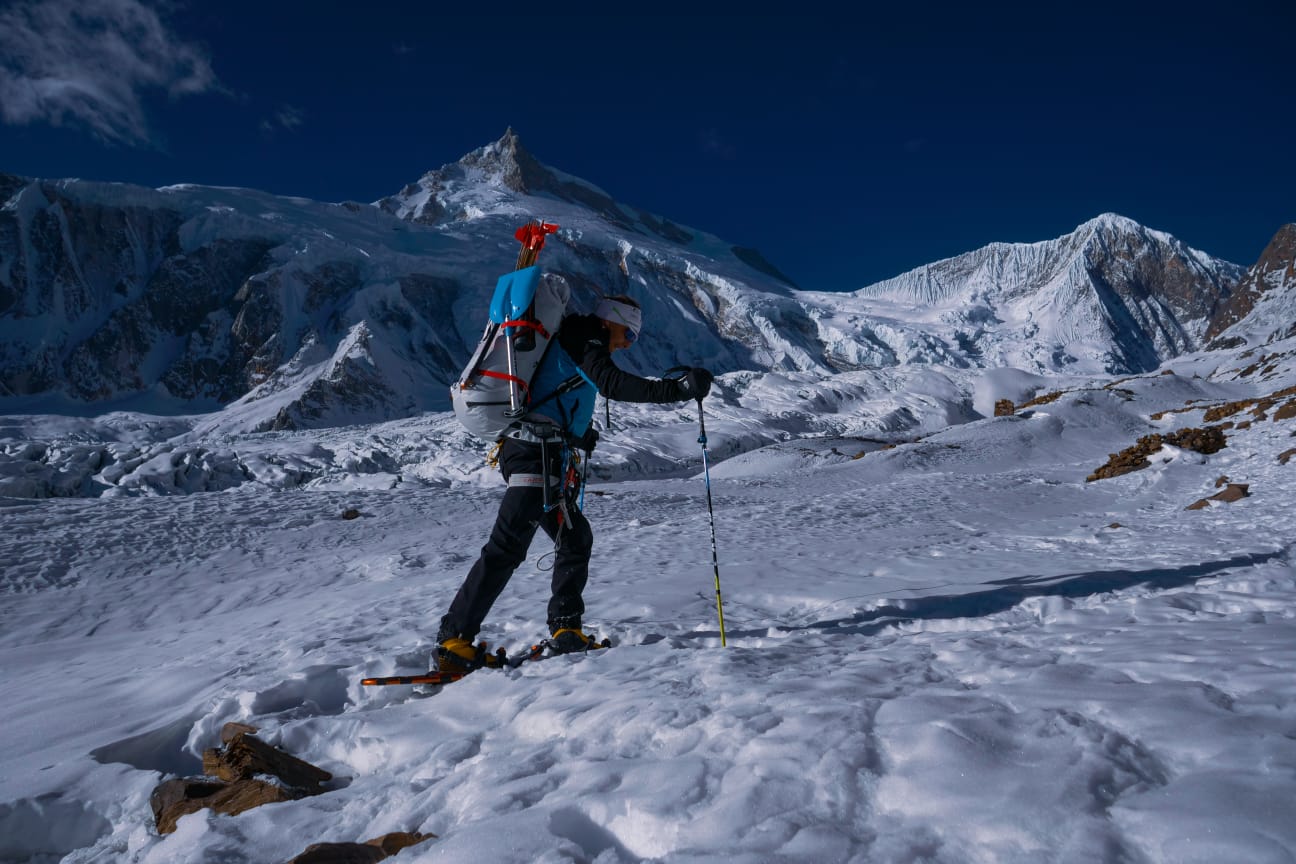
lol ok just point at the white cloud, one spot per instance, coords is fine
(89, 62)
(288, 117)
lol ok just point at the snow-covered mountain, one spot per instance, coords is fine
(1111, 296)
(299, 314)
(1262, 307)
(190, 298)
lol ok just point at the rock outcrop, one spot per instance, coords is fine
(244, 773)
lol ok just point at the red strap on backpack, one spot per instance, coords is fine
(503, 376)
(530, 325)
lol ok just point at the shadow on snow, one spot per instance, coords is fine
(1007, 593)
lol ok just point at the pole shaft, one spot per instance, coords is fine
(715, 556)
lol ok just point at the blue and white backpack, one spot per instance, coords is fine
(493, 391)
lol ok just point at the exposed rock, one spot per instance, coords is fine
(370, 851)
(1276, 267)
(393, 843)
(1232, 492)
(246, 756)
(1208, 440)
(176, 798)
(1003, 408)
(1228, 409)
(350, 513)
(1285, 456)
(1286, 412)
(232, 730)
(243, 774)
(170, 793)
(1043, 399)
(1258, 407)
(340, 853)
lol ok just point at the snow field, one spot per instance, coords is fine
(941, 652)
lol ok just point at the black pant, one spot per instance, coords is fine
(520, 514)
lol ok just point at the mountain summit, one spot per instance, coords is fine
(483, 179)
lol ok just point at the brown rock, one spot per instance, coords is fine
(368, 852)
(1286, 455)
(246, 756)
(1207, 440)
(1221, 480)
(1003, 408)
(1277, 257)
(171, 792)
(1232, 492)
(393, 843)
(351, 513)
(228, 798)
(1044, 399)
(231, 730)
(340, 853)
(1228, 409)
(1286, 412)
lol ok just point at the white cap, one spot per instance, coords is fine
(620, 313)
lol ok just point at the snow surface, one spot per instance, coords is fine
(950, 650)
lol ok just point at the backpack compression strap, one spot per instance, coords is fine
(503, 376)
(530, 325)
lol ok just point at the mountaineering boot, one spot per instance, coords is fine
(569, 640)
(457, 654)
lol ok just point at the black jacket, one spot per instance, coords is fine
(584, 338)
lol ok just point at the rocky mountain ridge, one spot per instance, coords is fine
(1112, 296)
(1262, 306)
(304, 314)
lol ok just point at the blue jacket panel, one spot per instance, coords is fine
(580, 349)
(572, 409)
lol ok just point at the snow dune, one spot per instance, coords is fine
(950, 650)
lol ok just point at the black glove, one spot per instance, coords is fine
(695, 384)
(587, 441)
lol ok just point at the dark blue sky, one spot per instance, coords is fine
(847, 147)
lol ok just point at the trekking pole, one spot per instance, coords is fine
(676, 373)
(715, 557)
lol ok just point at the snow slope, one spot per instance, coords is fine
(951, 650)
